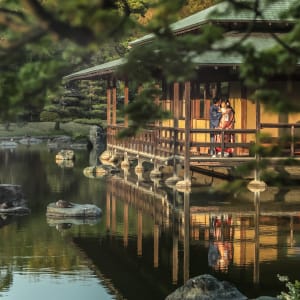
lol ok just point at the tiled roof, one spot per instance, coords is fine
(223, 12)
(208, 58)
(261, 41)
(105, 68)
(219, 58)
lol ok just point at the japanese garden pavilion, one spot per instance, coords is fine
(185, 138)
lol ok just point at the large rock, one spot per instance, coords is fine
(72, 210)
(206, 287)
(12, 200)
(65, 155)
(10, 193)
(97, 137)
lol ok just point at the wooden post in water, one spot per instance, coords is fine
(113, 214)
(126, 225)
(156, 246)
(140, 233)
(186, 246)
(175, 259)
(256, 270)
(108, 211)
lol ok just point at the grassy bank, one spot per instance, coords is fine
(43, 129)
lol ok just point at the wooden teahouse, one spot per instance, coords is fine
(185, 138)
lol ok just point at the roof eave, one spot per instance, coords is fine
(87, 75)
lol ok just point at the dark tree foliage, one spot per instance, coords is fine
(41, 41)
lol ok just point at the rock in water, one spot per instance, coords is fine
(12, 194)
(73, 211)
(206, 287)
(65, 154)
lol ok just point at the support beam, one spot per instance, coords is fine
(114, 100)
(187, 96)
(186, 183)
(126, 101)
(108, 99)
(257, 140)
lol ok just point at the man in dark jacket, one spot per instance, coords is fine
(214, 118)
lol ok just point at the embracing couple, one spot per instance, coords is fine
(221, 117)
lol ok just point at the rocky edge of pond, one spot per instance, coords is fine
(66, 142)
(12, 200)
(205, 287)
(59, 142)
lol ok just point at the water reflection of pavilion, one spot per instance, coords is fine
(243, 235)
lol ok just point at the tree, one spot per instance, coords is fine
(95, 103)
(31, 62)
(83, 102)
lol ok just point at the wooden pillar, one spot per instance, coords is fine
(176, 119)
(108, 99)
(257, 139)
(187, 96)
(243, 118)
(126, 101)
(114, 101)
(176, 103)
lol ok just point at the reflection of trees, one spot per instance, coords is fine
(43, 181)
(28, 242)
(37, 246)
(5, 219)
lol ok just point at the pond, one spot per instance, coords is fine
(141, 247)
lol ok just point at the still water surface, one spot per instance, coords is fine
(141, 247)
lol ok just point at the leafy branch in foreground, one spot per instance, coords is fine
(293, 292)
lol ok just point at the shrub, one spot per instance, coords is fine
(293, 292)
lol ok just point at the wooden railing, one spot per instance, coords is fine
(169, 141)
(292, 141)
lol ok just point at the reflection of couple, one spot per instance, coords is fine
(220, 251)
(221, 117)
